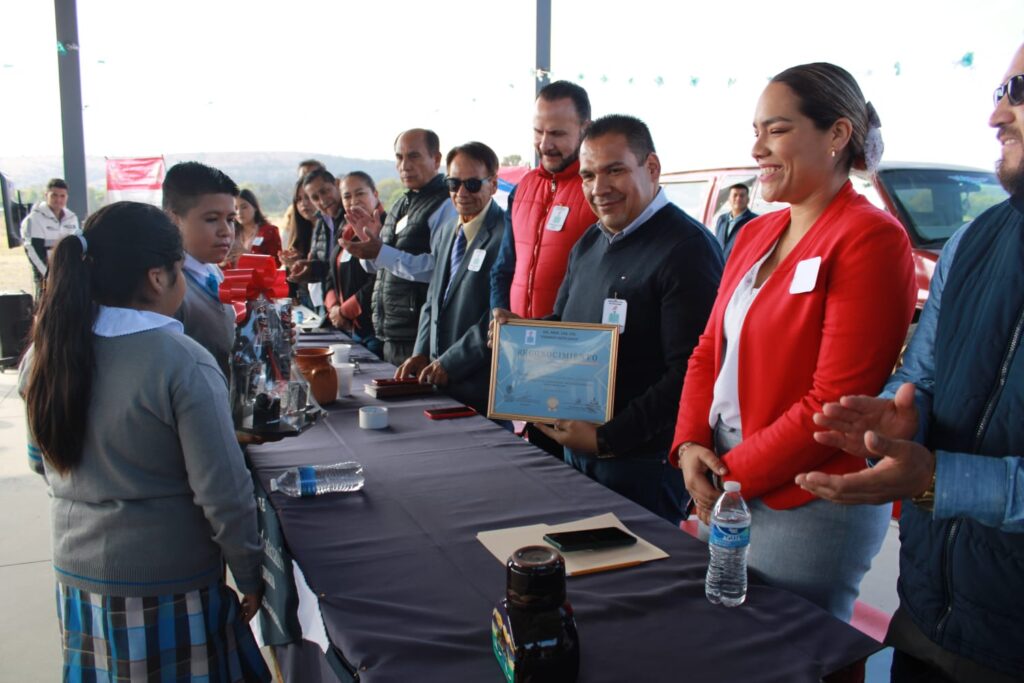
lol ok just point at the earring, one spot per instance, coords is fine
(833, 153)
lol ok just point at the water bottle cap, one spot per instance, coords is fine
(732, 486)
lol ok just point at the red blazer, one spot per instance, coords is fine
(271, 244)
(798, 351)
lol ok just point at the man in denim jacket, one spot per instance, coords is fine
(947, 432)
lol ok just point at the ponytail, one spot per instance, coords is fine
(105, 266)
(60, 380)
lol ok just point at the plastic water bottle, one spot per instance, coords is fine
(313, 480)
(726, 582)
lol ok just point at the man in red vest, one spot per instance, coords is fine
(546, 210)
(546, 214)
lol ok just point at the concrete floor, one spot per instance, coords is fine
(29, 641)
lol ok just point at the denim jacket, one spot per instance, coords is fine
(990, 490)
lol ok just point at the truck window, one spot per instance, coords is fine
(936, 202)
(690, 196)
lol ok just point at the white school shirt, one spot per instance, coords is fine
(113, 321)
(201, 271)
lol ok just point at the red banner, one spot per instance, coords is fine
(138, 180)
(135, 174)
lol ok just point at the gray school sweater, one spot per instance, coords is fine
(162, 493)
(209, 322)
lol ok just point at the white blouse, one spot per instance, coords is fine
(725, 405)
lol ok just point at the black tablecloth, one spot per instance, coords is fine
(406, 590)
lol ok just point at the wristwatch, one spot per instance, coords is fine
(926, 499)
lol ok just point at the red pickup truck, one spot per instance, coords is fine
(930, 200)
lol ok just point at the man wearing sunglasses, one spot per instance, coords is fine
(947, 435)
(400, 250)
(451, 345)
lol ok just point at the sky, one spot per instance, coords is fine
(343, 77)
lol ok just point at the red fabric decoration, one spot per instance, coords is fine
(256, 274)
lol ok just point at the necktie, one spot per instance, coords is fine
(458, 252)
(212, 286)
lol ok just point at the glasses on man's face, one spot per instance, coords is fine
(1013, 90)
(472, 184)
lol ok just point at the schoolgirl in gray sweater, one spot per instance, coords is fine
(150, 494)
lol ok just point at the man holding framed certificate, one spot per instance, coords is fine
(653, 271)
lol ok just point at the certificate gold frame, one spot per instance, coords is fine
(544, 370)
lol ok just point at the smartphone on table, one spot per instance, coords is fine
(590, 539)
(449, 413)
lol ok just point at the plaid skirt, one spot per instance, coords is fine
(197, 637)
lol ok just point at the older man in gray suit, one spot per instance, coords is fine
(451, 345)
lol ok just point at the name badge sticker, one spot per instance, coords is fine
(556, 221)
(257, 241)
(805, 278)
(615, 313)
(400, 225)
(477, 260)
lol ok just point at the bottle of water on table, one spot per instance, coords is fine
(313, 480)
(726, 582)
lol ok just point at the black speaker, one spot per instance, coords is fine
(15, 323)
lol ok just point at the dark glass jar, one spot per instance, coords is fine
(532, 630)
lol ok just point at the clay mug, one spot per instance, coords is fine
(315, 365)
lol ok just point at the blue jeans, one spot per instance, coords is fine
(646, 479)
(372, 344)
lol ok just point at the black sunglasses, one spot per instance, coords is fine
(472, 184)
(1013, 89)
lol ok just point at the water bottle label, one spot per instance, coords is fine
(730, 536)
(307, 481)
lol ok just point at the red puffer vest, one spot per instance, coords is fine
(542, 254)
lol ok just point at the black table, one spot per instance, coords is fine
(406, 590)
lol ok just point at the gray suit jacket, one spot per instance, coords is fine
(455, 330)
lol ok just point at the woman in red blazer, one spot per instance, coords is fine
(254, 234)
(814, 304)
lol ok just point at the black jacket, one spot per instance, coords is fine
(396, 302)
(668, 272)
(349, 278)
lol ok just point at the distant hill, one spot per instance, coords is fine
(246, 168)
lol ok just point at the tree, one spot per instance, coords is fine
(512, 160)
(389, 189)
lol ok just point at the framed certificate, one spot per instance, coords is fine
(543, 371)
